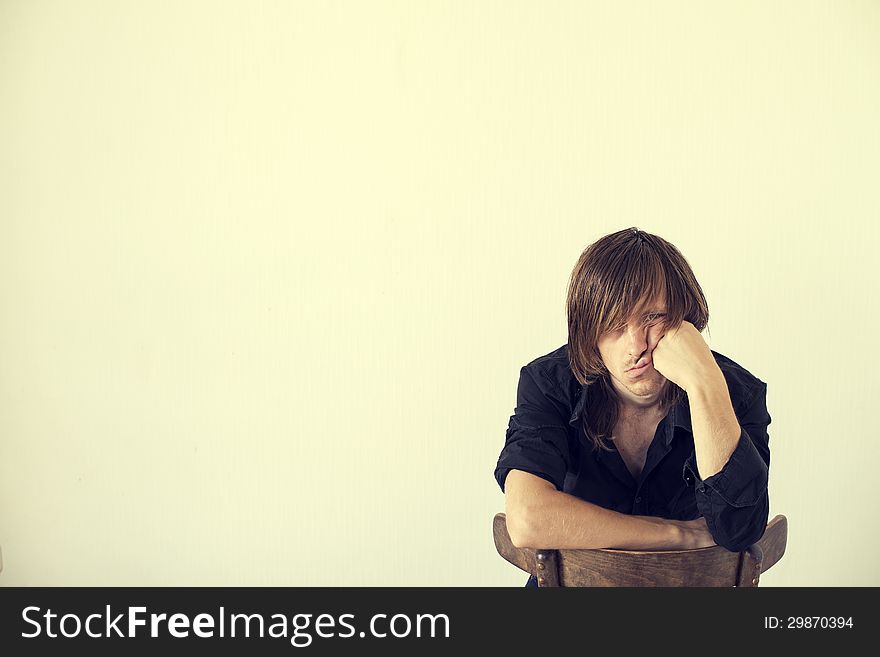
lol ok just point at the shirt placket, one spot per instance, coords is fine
(658, 449)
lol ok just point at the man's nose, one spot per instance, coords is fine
(640, 340)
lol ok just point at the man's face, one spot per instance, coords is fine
(633, 343)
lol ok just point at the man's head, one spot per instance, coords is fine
(626, 289)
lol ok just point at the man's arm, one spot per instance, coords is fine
(715, 427)
(541, 517)
(730, 462)
(732, 453)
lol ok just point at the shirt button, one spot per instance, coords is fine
(638, 499)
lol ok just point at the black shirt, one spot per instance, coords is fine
(545, 438)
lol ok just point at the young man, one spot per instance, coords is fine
(635, 435)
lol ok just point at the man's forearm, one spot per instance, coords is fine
(558, 521)
(716, 428)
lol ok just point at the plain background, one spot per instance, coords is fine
(269, 270)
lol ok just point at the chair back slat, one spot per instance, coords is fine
(709, 566)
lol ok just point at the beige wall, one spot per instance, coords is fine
(269, 270)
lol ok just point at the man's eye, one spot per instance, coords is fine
(648, 319)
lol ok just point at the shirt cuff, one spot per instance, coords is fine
(743, 479)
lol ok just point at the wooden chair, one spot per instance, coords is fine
(708, 566)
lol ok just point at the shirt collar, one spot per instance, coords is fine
(680, 414)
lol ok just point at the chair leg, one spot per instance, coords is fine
(547, 565)
(750, 561)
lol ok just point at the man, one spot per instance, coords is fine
(635, 434)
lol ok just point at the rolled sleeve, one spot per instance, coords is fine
(735, 500)
(537, 434)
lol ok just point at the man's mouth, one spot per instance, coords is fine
(644, 364)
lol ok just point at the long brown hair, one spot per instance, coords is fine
(615, 276)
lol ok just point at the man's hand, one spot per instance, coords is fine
(682, 356)
(694, 533)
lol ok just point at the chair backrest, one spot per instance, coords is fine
(708, 566)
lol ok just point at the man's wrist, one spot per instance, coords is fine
(678, 534)
(705, 377)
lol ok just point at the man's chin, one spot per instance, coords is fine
(648, 384)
